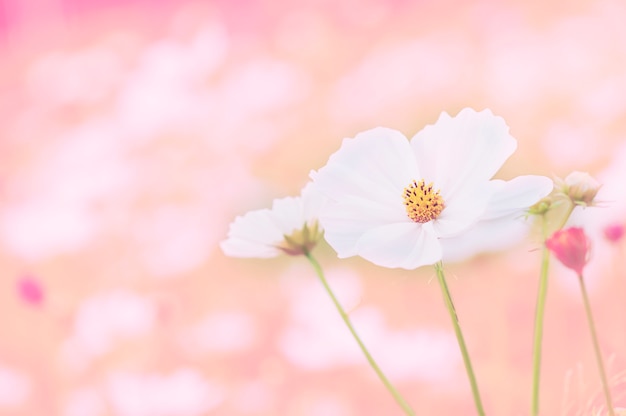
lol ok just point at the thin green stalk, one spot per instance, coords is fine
(540, 307)
(459, 336)
(539, 312)
(396, 395)
(569, 211)
(596, 346)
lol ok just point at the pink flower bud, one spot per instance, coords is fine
(571, 246)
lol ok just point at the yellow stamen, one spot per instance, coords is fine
(422, 203)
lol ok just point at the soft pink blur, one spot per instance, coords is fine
(133, 132)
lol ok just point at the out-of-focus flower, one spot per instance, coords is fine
(183, 392)
(220, 332)
(571, 246)
(30, 290)
(398, 203)
(106, 320)
(290, 227)
(580, 187)
(614, 232)
(15, 387)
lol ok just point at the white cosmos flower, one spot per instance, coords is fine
(401, 203)
(290, 227)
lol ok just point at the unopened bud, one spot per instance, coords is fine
(580, 187)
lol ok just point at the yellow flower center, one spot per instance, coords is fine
(422, 203)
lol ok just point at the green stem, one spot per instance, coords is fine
(540, 307)
(459, 336)
(399, 399)
(596, 346)
(539, 312)
(569, 211)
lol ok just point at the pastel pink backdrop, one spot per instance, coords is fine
(133, 132)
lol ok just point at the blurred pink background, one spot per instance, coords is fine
(133, 132)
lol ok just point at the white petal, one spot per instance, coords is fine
(376, 165)
(491, 235)
(345, 221)
(237, 247)
(312, 201)
(458, 152)
(404, 245)
(465, 208)
(502, 224)
(518, 194)
(253, 235)
(288, 214)
(364, 181)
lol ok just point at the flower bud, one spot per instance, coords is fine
(580, 187)
(571, 247)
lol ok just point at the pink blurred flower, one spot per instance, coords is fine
(571, 246)
(614, 232)
(30, 290)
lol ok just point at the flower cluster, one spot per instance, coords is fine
(404, 203)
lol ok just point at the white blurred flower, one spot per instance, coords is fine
(403, 204)
(290, 227)
(15, 387)
(220, 332)
(184, 392)
(105, 320)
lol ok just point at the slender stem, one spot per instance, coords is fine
(569, 211)
(539, 312)
(540, 307)
(459, 337)
(396, 395)
(596, 346)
